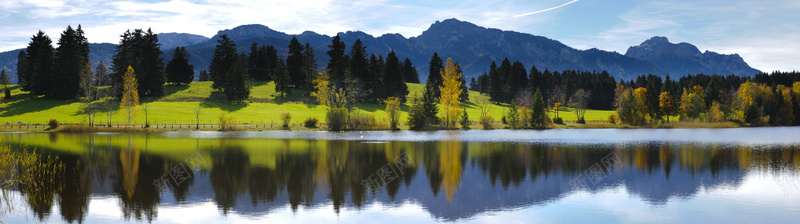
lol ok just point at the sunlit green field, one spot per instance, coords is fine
(264, 107)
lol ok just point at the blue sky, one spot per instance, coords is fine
(765, 33)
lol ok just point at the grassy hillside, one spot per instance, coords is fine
(178, 106)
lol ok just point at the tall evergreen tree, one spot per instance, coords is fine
(429, 107)
(309, 66)
(536, 79)
(294, 62)
(463, 80)
(39, 60)
(410, 73)
(283, 83)
(258, 63)
(203, 76)
(22, 73)
(434, 74)
(359, 67)
(224, 57)
(337, 65)
(538, 113)
(393, 78)
(179, 71)
(141, 51)
(4, 80)
(495, 83)
(151, 75)
(237, 87)
(374, 83)
(101, 72)
(519, 78)
(483, 83)
(69, 63)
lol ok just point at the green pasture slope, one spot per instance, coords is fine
(179, 103)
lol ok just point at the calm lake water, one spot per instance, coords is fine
(745, 175)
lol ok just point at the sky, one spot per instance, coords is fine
(765, 33)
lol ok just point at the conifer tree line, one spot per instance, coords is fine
(54, 72)
(505, 83)
(366, 79)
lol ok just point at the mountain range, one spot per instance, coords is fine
(474, 47)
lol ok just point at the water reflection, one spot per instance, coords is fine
(450, 179)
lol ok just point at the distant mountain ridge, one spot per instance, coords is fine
(474, 47)
(685, 58)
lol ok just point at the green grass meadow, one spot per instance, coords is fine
(263, 107)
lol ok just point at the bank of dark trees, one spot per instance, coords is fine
(54, 72)
(505, 82)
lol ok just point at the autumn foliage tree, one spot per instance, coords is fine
(130, 94)
(666, 104)
(393, 110)
(692, 103)
(450, 91)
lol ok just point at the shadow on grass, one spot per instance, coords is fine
(225, 106)
(27, 103)
(170, 89)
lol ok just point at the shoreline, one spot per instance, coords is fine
(139, 128)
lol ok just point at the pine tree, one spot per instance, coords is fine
(101, 74)
(282, 80)
(463, 81)
(179, 71)
(434, 74)
(495, 83)
(203, 76)
(69, 62)
(151, 74)
(410, 73)
(257, 63)
(393, 78)
(359, 69)
(429, 107)
(39, 69)
(309, 66)
(4, 81)
(224, 57)
(373, 83)
(237, 87)
(538, 113)
(141, 51)
(337, 65)
(294, 63)
(22, 73)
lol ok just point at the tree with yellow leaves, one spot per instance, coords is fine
(692, 103)
(393, 110)
(322, 83)
(450, 90)
(667, 104)
(130, 95)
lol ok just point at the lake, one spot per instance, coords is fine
(742, 175)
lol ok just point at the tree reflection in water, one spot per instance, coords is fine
(273, 173)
